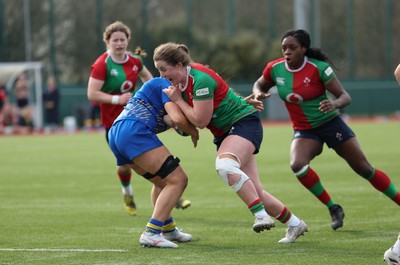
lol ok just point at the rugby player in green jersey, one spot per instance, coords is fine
(303, 78)
(208, 102)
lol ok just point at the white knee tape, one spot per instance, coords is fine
(226, 166)
(301, 171)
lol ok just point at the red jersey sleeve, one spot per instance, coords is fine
(267, 73)
(99, 68)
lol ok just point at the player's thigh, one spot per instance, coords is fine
(351, 151)
(303, 150)
(242, 148)
(152, 160)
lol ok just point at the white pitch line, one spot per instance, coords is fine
(62, 250)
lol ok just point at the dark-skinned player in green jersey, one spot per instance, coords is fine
(303, 78)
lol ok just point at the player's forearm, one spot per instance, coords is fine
(191, 114)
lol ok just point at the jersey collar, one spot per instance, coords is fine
(183, 88)
(298, 69)
(116, 60)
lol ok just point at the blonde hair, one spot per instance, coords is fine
(172, 53)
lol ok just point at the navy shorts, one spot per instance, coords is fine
(249, 127)
(129, 139)
(333, 133)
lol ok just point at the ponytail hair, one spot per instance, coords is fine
(140, 52)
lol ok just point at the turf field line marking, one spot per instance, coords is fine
(62, 250)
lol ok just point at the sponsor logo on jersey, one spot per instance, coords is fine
(280, 81)
(202, 92)
(114, 72)
(328, 71)
(294, 98)
(126, 86)
(135, 69)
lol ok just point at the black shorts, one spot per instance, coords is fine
(249, 127)
(333, 133)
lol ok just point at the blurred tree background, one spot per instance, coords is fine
(234, 37)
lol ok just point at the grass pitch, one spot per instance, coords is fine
(61, 203)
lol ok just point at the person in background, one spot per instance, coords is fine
(51, 99)
(207, 101)
(93, 122)
(3, 102)
(6, 115)
(111, 83)
(134, 142)
(303, 77)
(22, 109)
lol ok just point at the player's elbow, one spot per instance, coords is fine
(202, 124)
(89, 96)
(179, 120)
(348, 98)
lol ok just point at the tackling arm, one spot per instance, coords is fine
(201, 112)
(180, 120)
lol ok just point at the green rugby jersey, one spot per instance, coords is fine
(302, 90)
(204, 84)
(118, 78)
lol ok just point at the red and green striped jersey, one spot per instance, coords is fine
(229, 107)
(118, 78)
(302, 90)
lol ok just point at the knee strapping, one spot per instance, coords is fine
(169, 165)
(226, 166)
(148, 175)
(302, 171)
